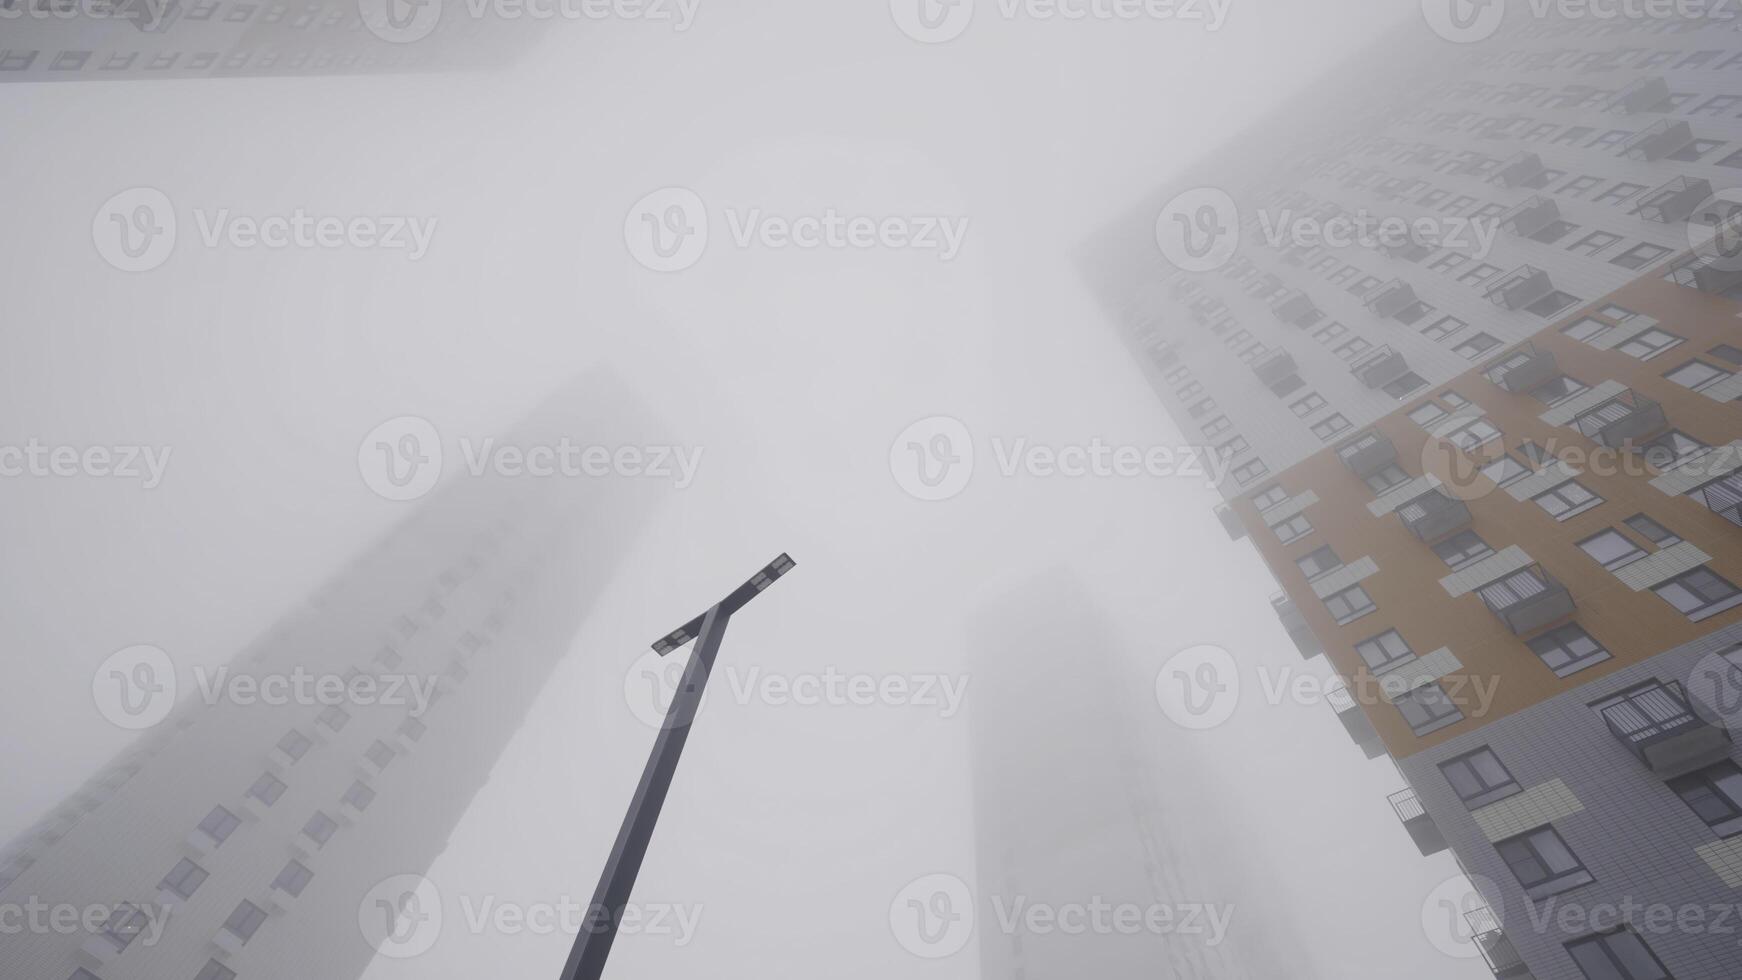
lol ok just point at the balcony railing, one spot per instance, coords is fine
(1391, 299)
(1305, 640)
(1522, 369)
(1527, 599)
(1497, 950)
(1657, 725)
(1658, 140)
(1355, 721)
(1230, 522)
(1531, 216)
(1421, 827)
(1724, 497)
(1273, 367)
(1675, 200)
(1622, 422)
(1367, 453)
(1434, 515)
(1519, 288)
(1379, 366)
(1641, 96)
(1293, 307)
(1518, 170)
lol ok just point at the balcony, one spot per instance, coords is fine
(1658, 140)
(1519, 288)
(1519, 170)
(1527, 600)
(1497, 950)
(1707, 274)
(1656, 724)
(1296, 625)
(1724, 497)
(1367, 453)
(1531, 216)
(1434, 515)
(1641, 96)
(1293, 307)
(1379, 366)
(1523, 369)
(1274, 367)
(1355, 721)
(1391, 299)
(1675, 200)
(1421, 827)
(1622, 422)
(1230, 522)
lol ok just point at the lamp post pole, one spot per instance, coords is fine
(599, 929)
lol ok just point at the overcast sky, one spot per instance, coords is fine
(794, 369)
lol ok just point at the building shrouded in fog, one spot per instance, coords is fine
(1088, 862)
(1495, 461)
(241, 840)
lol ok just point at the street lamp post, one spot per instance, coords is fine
(587, 958)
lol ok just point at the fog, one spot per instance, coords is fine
(794, 372)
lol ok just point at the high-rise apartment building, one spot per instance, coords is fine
(1474, 362)
(1078, 805)
(248, 837)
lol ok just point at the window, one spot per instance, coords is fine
(1349, 605)
(1622, 189)
(267, 789)
(1217, 426)
(1648, 343)
(1328, 427)
(1476, 345)
(1478, 275)
(294, 744)
(1386, 477)
(1640, 256)
(1200, 409)
(1406, 385)
(359, 796)
(388, 658)
(1505, 471)
(1715, 795)
(1566, 500)
(245, 921)
(412, 729)
(1697, 374)
(184, 879)
(1427, 709)
(1612, 549)
(1699, 593)
(320, 828)
(1666, 450)
(1319, 561)
(1656, 533)
(1620, 955)
(1292, 528)
(334, 717)
(1473, 434)
(1351, 347)
(1190, 390)
(1479, 778)
(1593, 243)
(1269, 497)
(125, 922)
(220, 824)
(293, 879)
(1251, 470)
(213, 970)
(1330, 331)
(379, 753)
(1727, 352)
(1385, 651)
(1307, 404)
(1463, 548)
(1567, 650)
(1586, 329)
(1544, 864)
(1551, 304)
(1443, 327)
(1534, 454)
(1427, 414)
(1579, 185)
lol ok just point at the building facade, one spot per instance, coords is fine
(242, 838)
(1474, 364)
